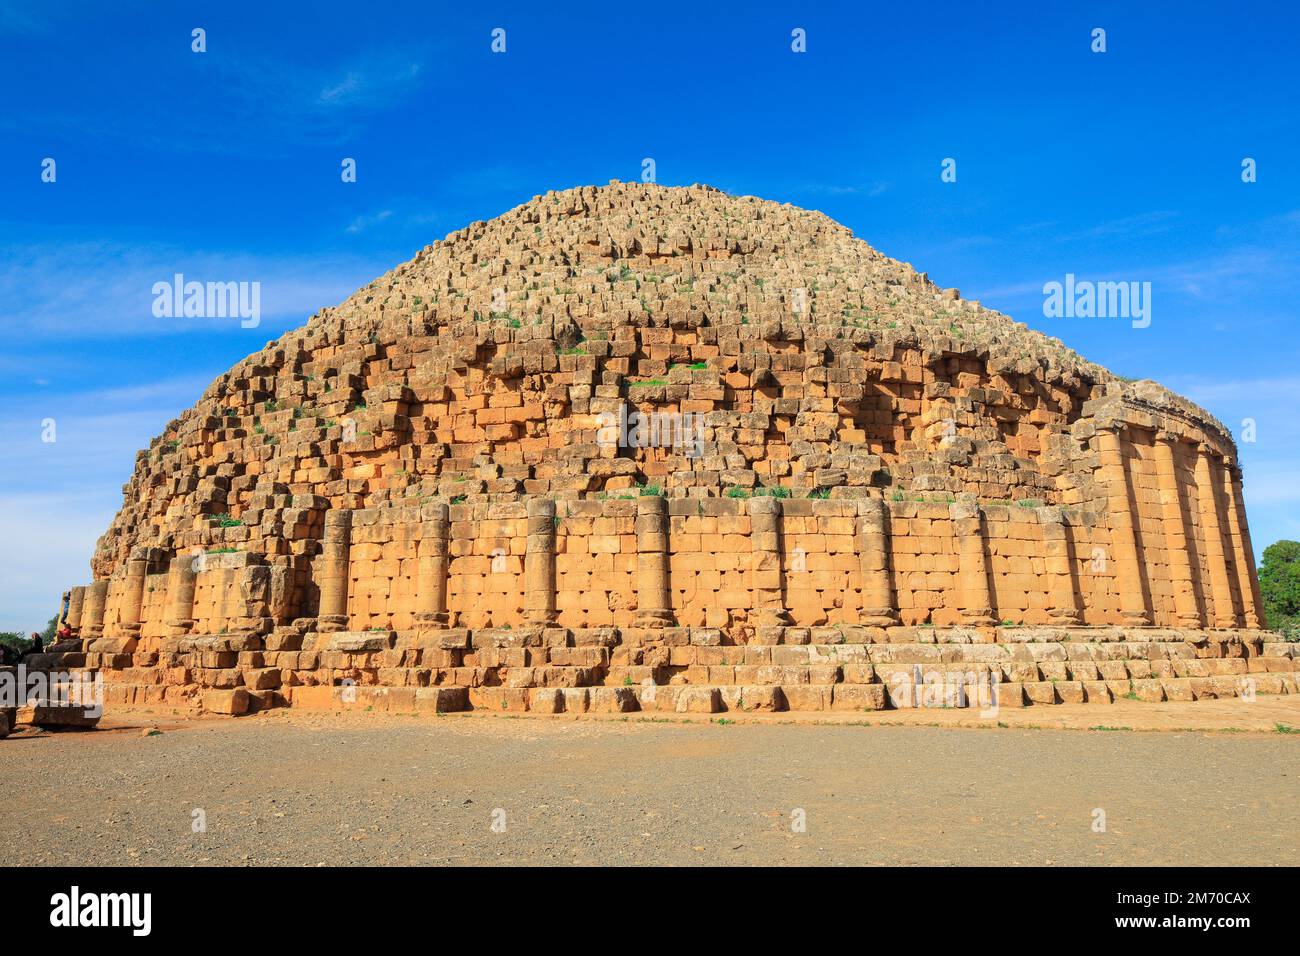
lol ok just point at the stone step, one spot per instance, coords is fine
(935, 690)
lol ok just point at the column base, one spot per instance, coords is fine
(1191, 622)
(878, 617)
(328, 623)
(655, 617)
(179, 628)
(1070, 618)
(431, 618)
(978, 617)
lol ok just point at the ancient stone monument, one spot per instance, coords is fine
(647, 448)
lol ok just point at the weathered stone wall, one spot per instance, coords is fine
(938, 563)
(432, 484)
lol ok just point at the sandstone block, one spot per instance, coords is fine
(1149, 690)
(352, 642)
(233, 701)
(1010, 694)
(806, 697)
(753, 698)
(499, 699)
(577, 700)
(546, 700)
(56, 714)
(1096, 692)
(441, 700)
(1070, 691)
(612, 700)
(858, 697)
(1041, 692)
(267, 678)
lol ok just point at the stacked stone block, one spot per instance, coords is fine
(636, 447)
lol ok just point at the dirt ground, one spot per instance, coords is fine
(1214, 782)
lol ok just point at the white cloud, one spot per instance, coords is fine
(362, 223)
(1205, 391)
(373, 84)
(97, 288)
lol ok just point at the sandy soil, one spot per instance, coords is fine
(318, 788)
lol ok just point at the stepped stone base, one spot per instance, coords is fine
(552, 670)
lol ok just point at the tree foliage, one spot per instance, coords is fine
(19, 642)
(1279, 585)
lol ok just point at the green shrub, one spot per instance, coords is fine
(1279, 585)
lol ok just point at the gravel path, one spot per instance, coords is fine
(378, 789)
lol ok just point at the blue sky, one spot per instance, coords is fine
(225, 165)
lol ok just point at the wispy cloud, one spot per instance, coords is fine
(97, 288)
(362, 223)
(375, 83)
(1225, 276)
(398, 225)
(1273, 389)
(309, 103)
(1142, 224)
(870, 190)
(277, 105)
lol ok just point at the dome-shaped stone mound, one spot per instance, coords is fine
(638, 433)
